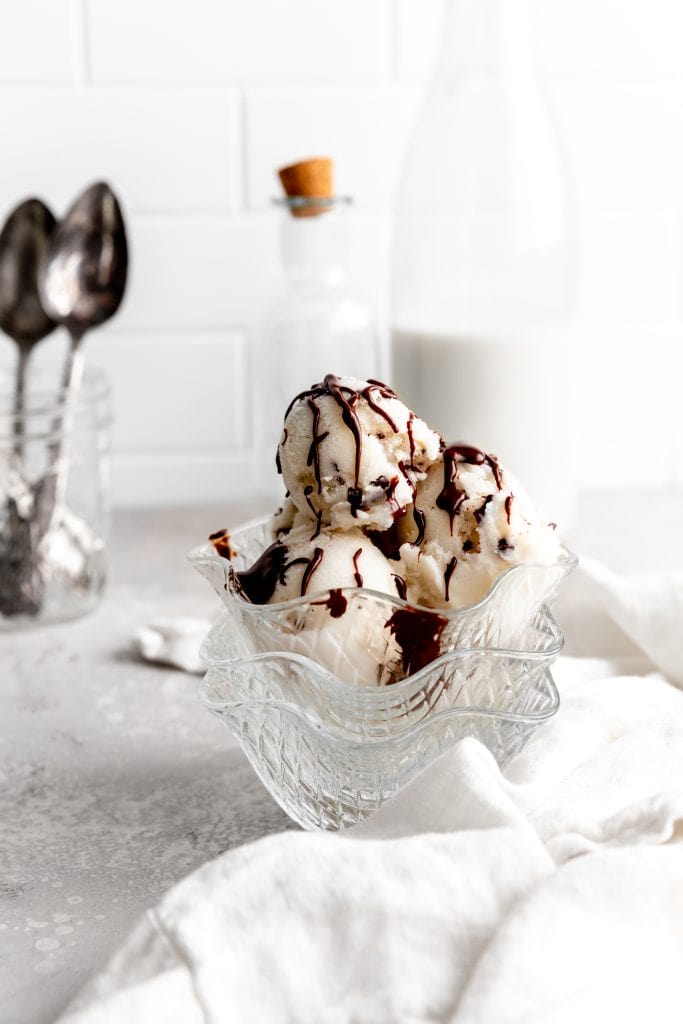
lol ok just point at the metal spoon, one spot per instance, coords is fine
(81, 280)
(23, 241)
(82, 276)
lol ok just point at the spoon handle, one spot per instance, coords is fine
(57, 475)
(18, 425)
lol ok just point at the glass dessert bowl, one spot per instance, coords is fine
(340, 698)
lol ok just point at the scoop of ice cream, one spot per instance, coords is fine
(474, 520)
(351, 639)
(351, 453)
(311, 564)
(287, 518)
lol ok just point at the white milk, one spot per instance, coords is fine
(510, 394)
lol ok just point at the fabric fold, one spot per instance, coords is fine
(551, 892)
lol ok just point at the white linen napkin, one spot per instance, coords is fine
(174, 642)
(550, 894)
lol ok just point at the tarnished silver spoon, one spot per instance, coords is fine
(83, 272)
(81, 280)
(23, 241)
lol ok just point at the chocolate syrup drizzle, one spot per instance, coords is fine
(316, 440)
(355, 499)
(411, 439)
(401, 586)
(420, 522)
(356, 571)
(259, 582)
(508, 506)
(316, 512)
(310, 569)
(387, 541)
(450, 569)
(418, 634)
(221, 544)
(283, 442)
(389, 488)
(335, 602)
(347, 399)
(479, 512)
(384, 392)
(452, 496)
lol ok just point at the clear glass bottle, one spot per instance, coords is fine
(483, 256)
(54, 499)
(317, 325)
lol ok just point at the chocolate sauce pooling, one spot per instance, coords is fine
(387, 541)
(260, 580)
(451, 497)
(335, 602)
(418, 634)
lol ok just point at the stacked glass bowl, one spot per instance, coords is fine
(331, 750)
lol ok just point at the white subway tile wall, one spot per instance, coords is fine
(188, 108)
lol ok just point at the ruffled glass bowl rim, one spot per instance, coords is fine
(339, 730)
(205, 553)
(360, 700)
(378, 694)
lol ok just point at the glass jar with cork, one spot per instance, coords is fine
(319, 323)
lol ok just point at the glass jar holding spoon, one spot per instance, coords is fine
(54, 433)
(53, 557)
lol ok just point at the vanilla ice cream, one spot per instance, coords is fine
(475, 520)
(351, 453)
(301, 565)
(376, 500)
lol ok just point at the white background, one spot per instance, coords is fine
(186, 108)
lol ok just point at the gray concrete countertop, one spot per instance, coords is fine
(114, 782)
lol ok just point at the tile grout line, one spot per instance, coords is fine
(395, 36)
(243, 135)
(80, 64)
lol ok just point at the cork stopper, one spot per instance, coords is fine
(308, 179)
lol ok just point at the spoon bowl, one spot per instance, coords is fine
(23, 241)
(84, 268)
(81, 280)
